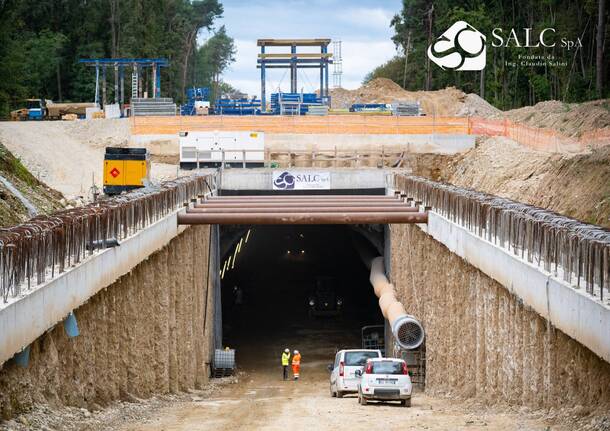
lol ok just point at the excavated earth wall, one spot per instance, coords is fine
(149, 332)
(482, 342)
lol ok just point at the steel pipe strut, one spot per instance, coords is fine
(303, 218)
(303, 201)
(297, 209)
(296, 197)
(302, 204)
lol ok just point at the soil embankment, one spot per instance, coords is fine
(149, 332)
(577, 186)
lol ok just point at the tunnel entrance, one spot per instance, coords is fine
(296, 287)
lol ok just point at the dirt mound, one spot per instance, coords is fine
(575, 185)
(570, 119)
(449, 101)
(475, 106)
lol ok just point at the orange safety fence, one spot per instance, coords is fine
(541, 139)
(536, 138)
(329, 124)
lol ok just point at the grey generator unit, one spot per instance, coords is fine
(224, 363)
(220, 148)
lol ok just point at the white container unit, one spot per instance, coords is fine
(211, 149)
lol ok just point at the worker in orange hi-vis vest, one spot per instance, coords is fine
(296, 364)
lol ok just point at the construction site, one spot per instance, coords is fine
(157, 258)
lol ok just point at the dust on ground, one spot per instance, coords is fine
(68, 155)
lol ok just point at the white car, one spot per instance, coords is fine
(343, 378)
(385, 379)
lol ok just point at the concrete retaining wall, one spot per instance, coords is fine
(148, 332)
(483, 340)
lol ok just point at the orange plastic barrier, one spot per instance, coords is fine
(331, 124)
(540, 138)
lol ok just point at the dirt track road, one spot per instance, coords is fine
(262, 401)
(259, 404)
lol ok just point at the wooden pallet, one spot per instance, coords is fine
(222, 372)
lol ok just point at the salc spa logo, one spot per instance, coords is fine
(285, 181)
(463, 47)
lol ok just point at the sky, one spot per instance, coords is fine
(363, 26)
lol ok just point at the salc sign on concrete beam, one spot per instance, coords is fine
(301, 180)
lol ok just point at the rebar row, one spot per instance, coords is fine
(37, 250)
(575, 251)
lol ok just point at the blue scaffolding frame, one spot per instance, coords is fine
(293, 61)
(119, 65)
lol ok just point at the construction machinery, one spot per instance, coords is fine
(34, 110)
(220, 149)
(44, 109)
(125, 169)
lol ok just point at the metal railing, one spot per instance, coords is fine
(321, 158)
(44, 246)
(575, 251)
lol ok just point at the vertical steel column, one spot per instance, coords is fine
(97, 84)
(321, 74)
(154, 80)
(104, 86)
(263, 98)
(158, 83)
(325, 50)
(293, 69)
(116, 83)
(122, 96)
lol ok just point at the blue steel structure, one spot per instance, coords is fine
(293, 61)
(119, 65)
(293, 103)
(195, 94)
(237, 107)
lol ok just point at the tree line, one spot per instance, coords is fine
(576, 74)
(41, 42)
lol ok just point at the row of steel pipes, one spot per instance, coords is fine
(305, 209)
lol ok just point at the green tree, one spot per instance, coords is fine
(213, 58)
(504, 82)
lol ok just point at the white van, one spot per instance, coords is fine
(343, 378)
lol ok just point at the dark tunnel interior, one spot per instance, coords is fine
(297, 287)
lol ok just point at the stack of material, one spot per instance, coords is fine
(164, 106)
(317, 110)
(370, 107)
(243, 106)
(293, 103)
(407, 109)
